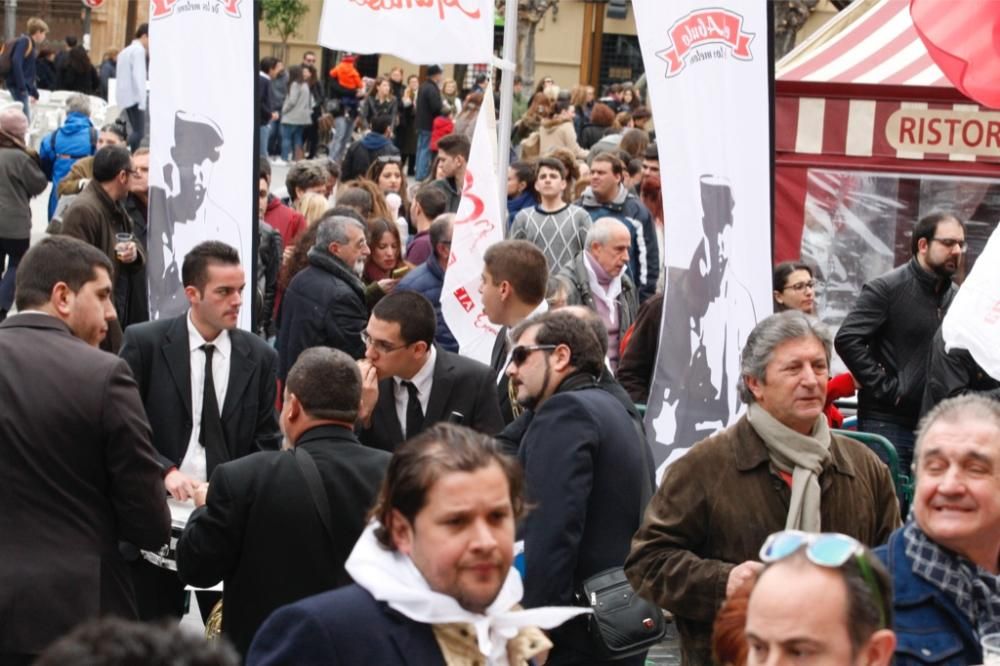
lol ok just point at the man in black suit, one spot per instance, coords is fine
(268, 505)
(587, 472)
(200, 418)
(78, 471)
(514, 278)
(409, 384)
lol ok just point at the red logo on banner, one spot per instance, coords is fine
(464, 299)
(381, 5)
(706, 26)
(161, 8)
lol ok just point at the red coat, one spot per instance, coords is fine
(442, 126)
(287, 221)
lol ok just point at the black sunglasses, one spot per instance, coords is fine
(520, 354)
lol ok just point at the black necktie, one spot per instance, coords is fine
(414, 412)
(211, 436)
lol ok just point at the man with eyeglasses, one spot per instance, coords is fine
(821, 599)
(777, 466)
(410, 384)
(324, 304)
(586, 474)
(945, 563)
(98, 218)
(886, 338)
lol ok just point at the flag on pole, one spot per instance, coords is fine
(478, 224)
(973, 320)
(707, 66)
(432, 31)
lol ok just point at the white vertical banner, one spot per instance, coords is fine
(973, 319)
(422, 32)
(201, 140)
(478, 224)
(707, 68)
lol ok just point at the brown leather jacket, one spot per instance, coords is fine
(716, 506)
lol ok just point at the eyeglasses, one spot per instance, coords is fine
(380, 345)
(830, 550)
(952, 243)
(800, 286)
(520, 354)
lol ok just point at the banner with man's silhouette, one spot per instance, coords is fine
(202, 159)
(707, 68)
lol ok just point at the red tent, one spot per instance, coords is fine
(870, 136)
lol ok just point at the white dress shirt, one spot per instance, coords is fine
(194, 463)
(423, 380)
(542, 308)
(130, 79)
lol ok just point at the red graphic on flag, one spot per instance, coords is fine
(464, 299)
(705, 26)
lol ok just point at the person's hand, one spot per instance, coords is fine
(274, 115)
(741, 575)
(369, 391)
(180, 486)
(200, 494)
(287, 253)
(128, 253)
(33, 100)
(387, 285)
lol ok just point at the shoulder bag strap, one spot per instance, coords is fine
(316, 489)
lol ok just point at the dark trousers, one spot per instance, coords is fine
(160, 594)
(11, 251)
(902, 438)
(137, 119)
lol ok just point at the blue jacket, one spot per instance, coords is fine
(346, 626)
(428, 280)
(930, 628)
(75, 139)
(644, 261)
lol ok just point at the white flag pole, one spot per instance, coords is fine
(507, 67)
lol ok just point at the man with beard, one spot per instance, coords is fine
(325, 302)
(180, 212)
(585, 472)
(886, 338)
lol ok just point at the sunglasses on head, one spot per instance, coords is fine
(520, 354)
(389, 158)
(831, 550)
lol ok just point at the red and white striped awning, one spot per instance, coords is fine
(870, 42)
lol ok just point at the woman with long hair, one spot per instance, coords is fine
(538, 110)
(312, 205)
(557, 132)
(379, 102)
(599, 124)
(387, 173)
(386, 258)
(630, 100)
(379, 208)
(449, 95)
(465, 122)
(296, 112)
(634, 142)
(406, 132)
(79, 74)
(582, 98)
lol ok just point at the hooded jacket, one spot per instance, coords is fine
(556, 134)
(644, 255)
(362, 153)
(61, 149)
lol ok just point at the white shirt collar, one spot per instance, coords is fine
(222, 343)
(423, 379)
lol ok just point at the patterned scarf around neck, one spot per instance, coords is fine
(975, 591)
(802, 456)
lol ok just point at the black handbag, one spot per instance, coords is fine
(622, 624)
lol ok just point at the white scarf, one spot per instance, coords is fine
(393, 578)
(609, 296)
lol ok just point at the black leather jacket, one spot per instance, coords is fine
(952, 373)
(886, 340)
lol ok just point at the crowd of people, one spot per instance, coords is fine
(356, 485)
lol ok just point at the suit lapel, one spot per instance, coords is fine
(440, 388)
(178, 359)
(241, 368)
(414, 642)
(499, 354)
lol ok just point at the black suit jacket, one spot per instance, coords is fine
(460, 385)
(77, 473)
(497, 362)
(157, 352)
(260, 530)
(345, 626)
